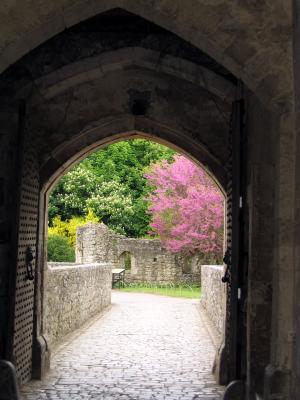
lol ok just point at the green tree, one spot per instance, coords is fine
(111, 182)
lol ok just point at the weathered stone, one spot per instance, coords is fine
(235, 391)
(150, 262)
(75, 293)
(144, 347)
(8, 382)
(258, 32)
(213, 295)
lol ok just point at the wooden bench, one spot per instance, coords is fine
(118, 275)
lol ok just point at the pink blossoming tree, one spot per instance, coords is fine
(187, 208)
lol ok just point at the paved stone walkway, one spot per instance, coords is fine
(144, 347)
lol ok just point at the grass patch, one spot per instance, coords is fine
(172, 290)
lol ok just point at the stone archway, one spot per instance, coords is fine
(125, 260)
(112, 131)
(63, 100)
(203, 25)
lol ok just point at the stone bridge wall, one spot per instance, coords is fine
(75, 293)
(213, 297)
(149, 261)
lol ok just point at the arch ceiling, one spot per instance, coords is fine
(87, 85)
(251, 39)
(92, 110)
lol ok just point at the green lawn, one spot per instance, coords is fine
(186, 291)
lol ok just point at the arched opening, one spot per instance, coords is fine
(150, 130)
(86, 129)
(125, 259)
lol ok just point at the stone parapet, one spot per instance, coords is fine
(213, 295)
(75, 293)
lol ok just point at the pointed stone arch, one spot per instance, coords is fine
(204, 25)
(254, 44)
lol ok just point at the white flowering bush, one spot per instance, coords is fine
(112, 204)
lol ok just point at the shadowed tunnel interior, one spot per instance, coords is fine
(219, 81)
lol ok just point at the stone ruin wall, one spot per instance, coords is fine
(149, 261)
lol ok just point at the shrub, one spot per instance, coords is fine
(68, 228)
(59, 249)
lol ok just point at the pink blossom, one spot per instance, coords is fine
(187, 208)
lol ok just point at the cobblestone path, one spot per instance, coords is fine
(144, 347)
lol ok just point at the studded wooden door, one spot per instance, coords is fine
(26, 237)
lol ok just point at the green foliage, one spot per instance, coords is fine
(59, 249)
(111, 183)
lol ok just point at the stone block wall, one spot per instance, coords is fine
(75, 293)
(213, 297)
(149, 261)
